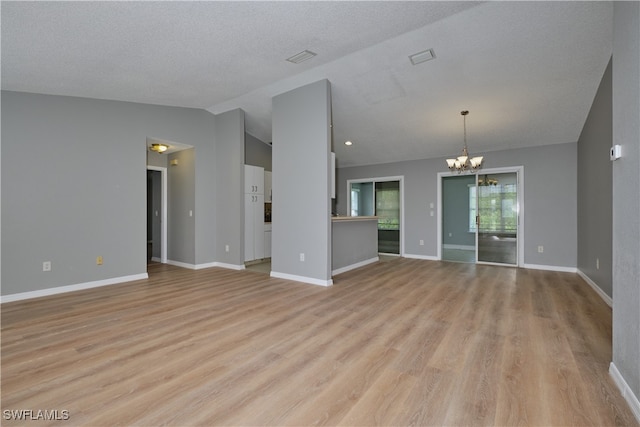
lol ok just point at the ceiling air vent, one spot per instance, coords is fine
(423, 56)
(302, 56)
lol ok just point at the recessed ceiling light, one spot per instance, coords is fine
(302, 56)
(348, 143)
(424, 56)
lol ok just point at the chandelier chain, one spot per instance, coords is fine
(465, 162)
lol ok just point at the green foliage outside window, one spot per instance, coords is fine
(497, 208)
(388, 208)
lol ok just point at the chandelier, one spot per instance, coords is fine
(464, 163)
(487, 181)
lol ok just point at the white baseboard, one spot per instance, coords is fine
(181, 264)
(229, 266)
(354, 266)
(71, 288)
(156, 259)
(551, 268)
(625, 390)
(427, 257)
(205, 265)
(606, 298)
(302, 279)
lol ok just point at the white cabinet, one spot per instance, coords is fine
(267, 186)
(253, 179)
(253, 213)
(253, 227)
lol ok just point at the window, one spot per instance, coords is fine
(388, 206)
(496, 207)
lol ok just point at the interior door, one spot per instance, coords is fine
(497, 218)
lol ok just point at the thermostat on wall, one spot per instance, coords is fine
(616, 152)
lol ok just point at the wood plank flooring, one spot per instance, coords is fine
(401, 342)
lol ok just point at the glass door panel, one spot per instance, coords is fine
(388, 212)
(459, 218)
(497, 218)
(362, 199)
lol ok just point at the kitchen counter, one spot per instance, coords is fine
(354, 242)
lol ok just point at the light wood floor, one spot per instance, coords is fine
(403, 342)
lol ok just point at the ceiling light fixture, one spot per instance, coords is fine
(464, 163)
(424, 56)
(302, 56)
(158, 148)
(487, 181)
(348, 143)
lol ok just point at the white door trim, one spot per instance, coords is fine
(163, 211)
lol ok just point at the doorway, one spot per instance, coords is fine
(157, 214)
(481, 217)
(381, 197)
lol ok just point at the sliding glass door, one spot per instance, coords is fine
(388, 213)
(497, 218)
(480, 219)
(380, 197)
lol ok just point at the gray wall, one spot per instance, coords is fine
(595, 188)
(229, 162)
(550, 201)
(257, 153)
(455, 211)
(67, 199)
(157, 159)
(301, 166)
(626, 193)
(353, 242)
(181, 208)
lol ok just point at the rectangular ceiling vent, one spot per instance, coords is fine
(302, 56)
(423, 56)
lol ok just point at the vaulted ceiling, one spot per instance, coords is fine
(527, 71)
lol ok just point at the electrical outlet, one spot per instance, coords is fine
(226, 248)
(597, 263)
(421, 242)
(301, 256)
(99, 260)
(46, 266)
(540, 249)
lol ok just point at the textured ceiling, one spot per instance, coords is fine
(527, 71)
